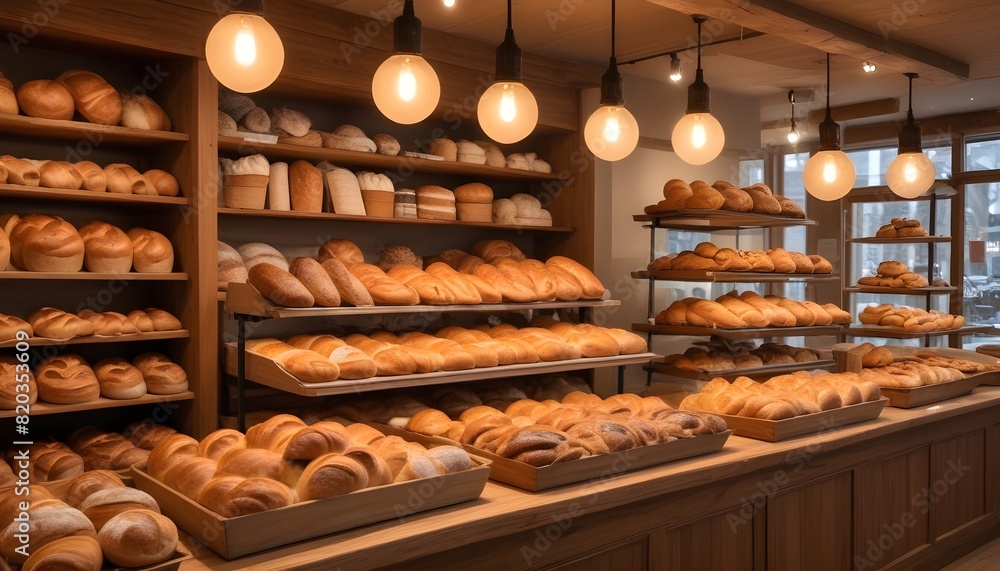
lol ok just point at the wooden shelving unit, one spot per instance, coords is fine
(54, 129)
(900, 333)
(47, 408)
(921, 291)
(711, 276)
(736, 334)
(94, 276)
(766, 371)
(69, 195)
(100, 339)
(714, 220)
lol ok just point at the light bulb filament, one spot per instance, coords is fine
(407, 86)
(910, 172)
(508, 106)
(612, 130)
(829, 170)
(246, 45)
(698, 136)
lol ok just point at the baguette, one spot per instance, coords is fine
(432, 291)
(314, 277)
(383, 289)
(279, 286)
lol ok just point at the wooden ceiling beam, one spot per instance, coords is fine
(936, 130)
(859, 110)
(825, 33)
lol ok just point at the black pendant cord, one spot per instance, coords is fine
(510, 25)
(508, 54)
(791, 99)
(829, 114)
(699, 44)
(909, 134)
(247, 6)
(909, 111)
(829, 130)
(611, 82)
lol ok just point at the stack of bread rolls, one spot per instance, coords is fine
(722, 195)
(708, 256)
(96, 518)
(720, 355)
(883, 367)
(911, 319)
(117, 178)
(283, 461)
(53, 323)
(102, 450)
(901, 228)
(782, 397)
(548, 432)
(895, 275)
(521, 210)
(485, 153)
(750, 310)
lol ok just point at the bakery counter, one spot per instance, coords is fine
(909, 489)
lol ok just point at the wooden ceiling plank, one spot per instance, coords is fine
(859, 110)
(935, 130)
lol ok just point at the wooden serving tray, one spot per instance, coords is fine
(172, 564)
(753, 373)
(534, 479)
(238, 536)
(776, 430)
(990, 351)
(919, 396)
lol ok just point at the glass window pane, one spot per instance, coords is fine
(981, 286)
(751, 172)
(982, 155)
(871, 164)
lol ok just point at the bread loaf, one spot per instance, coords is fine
(152, 251)
(138, 538)
(230, 266)
(13, 383)
(305, 183)
(67, 379)
(8, 101)
(492, 250)
(118, 379)
(435, 203)
(704, 196)
(383, 289)
(432, 291)
(352, 291)
(349, 138)
(307, 366)
(311, 139)
(219, 442)
(168, 452)
(353, 363)
(445, 148)
(58, 324)
(278, 192)
(103, 505)
(462, 289)
(109, 323)
(161, 375)
(344, 191)
(331, 475)
(106, 248)
(50, 521)
(257, 252)
(19, 171)
(163, 182)
(46, 244)
(121, 178)
(141, 112)
(58, 174)
(94, 98)
(316, 280)
(592, 287)
(76, 553)
(45, 99)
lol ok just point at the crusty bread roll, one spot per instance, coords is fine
(66, 379)
(305, 184)
(315, 279)
(255, 121)
(93, 176)
(763, 200)
(141, 112)
(331, 475)
(432, 291)
(45, 99)
(159, 320)
(88, 483)
(230, 266)
(352, 291)
(443, 148)
(386, 145)
(168, 452)
(161, 375)
(219, 442)
(257, 253)
(103, 505)
(4, 251)
(106, 248)
(57, 324)
(592, 287)
(58, 174)
(11, 380)
(353, 363)
(345, 251)
(492, 250)
(20, 171)
(396, 255)
(305, 365)
(152, 251)
(383, 289)
(46, 244)
(138, 538)
(94, 97)
(285, 120)
(8, 101)
(279, 286)
(10, 326)
(118, 379)
(163, 182)
(50, 521)
(464, 290)
(349, 138)
(675, 194)
(735, 199)
(122, 178)
(494, 156)
(75, 552)
(190, 474)
(704, 196)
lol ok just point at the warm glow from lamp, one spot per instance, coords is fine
(406, 89)
(829, 175)
(611, 133)
(244, 52)
(507, 112)
(793, 135)
(698, 138)
(910, 174)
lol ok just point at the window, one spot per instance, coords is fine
(983, 155)
(981, 286)
(871, 164)
(751, 172)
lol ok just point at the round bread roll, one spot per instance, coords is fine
(46, 244)
(4, 251)
(141, 112)
(8, 101)
(138, 538)
(93, 176)
(66, 379)
(89, 483)
(386, 145)
(164, 182)
(289, 121)
(257, 253)
(50, 521)
(474, 192)
(105, 504)
(45, 99)
(119, 379)
(73, 553)
(94, 98)
(9, 384)
(892, 269)
(230, 266)
(395, 255)
(331, 475)
(162, 320)
(344, 250)
(58, 174)
(161, 375)
(152, 252)
(106, 248)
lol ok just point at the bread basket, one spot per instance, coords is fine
(245, 191)
(474, 212)
(378, 203)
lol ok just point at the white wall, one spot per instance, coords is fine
(625, 187)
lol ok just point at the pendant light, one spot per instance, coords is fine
(611, 132)
(698, 137)
(243, 51)
(508, 111)
(405, 88)
(911, 173)
(829, 174)
(675, 68)
(793, 133)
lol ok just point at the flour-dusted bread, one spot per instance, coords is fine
(257, 253)
(344, 192)
(230, 266)
(278, 192)
(141, 112)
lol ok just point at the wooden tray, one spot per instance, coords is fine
(234, 537)
(890, 332)
(919, 396)
(534, 479)
(708, 220)
(990, 351)
(775, 430)
(720, 276)
(172, 564)
(265, 371)
(737, 334)
(730, 374)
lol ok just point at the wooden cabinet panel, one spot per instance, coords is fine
(810, 527)
(633, 556)
(956, 493)
(710, 544)
(888, 523)
(993, 468)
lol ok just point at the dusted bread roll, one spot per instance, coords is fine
(504, 211)
(103, 505)
(118, 379)
(141, 112)
(435, 203)
(279, 195)
(494, 156)
(94, 98)
(19, 171)
(161, 375)
(305, 184)
(67, 379)
(395, 255)
(88, 483)
(152, 251)
(279, 286)
(46, 244)
(163, 182)
(230, 266)
(45, 99)
(257, 253)
(469, 152)
(106, 248)
(285, 120)
(137, 538)
(349, 138)
(50, 521)
(345, 192)
(386, 145)
(13, 383)
(315, 279)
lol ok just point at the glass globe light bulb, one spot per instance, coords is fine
(507, 112)
(910, 174)
(244, 52)
(698, 138)
(449, 3)
(829, 175)
(405, 88)
(611, 132)
(793, 136)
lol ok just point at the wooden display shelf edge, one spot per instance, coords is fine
(96, 339)
(718, 220)
(728, 277)
(913, 240)
(131, 276)
(816, 423)
(288, 214)
(264, 371)
(245, 299)
(373, 160)
(766, 370)
(19, 191)
(930, 290)
(940, 189)
(40, 407)
(58, 129)
(888, 332)
(737, 334)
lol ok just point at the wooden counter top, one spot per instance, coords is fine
(503, 510)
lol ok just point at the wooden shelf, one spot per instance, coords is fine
(929, 290)
(738, 334)
(35, 128)
(329, 216)
(887, 332)
(728, 277)
(244, 298)
(69, 195)
(754, 372)
(98, 339)
(40, 407)
(940, 189)
(915, 240)
(355, 159)
(264, 371)
(711, 220)
(92, 276)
